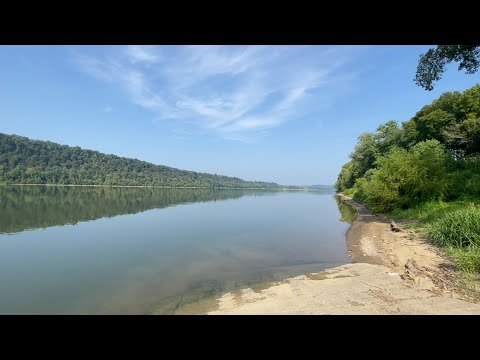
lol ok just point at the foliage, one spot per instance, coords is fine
(387, 136)
(434, 155)
(427, 169)
(25, 161)
(405, 177)
(432, 64)
(346, 178)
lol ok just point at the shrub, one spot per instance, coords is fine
(406, 177)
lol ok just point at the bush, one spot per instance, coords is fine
(406, 177)
(359, 190)
(349, 192)
(460, 228)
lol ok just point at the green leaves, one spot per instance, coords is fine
(434, 155)
(431, 65)
(407, 177)
(432, 125)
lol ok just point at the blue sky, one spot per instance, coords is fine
(288, 114)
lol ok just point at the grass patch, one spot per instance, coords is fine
(459, 228)
(431, 210)
(467, 259)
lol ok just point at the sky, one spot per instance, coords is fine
(285, 114)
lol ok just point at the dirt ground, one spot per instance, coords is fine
(391, 273)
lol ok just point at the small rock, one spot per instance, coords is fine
(410, 267)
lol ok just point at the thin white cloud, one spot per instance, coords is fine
(137, 53)
(107, 109)
(236, 92)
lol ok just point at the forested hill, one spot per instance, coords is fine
(26, 161)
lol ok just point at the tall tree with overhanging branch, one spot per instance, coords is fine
(431, 65)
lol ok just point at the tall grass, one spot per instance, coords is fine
(460, 228)
(467, 259)
(430, 211)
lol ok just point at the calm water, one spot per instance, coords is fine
(142, 250)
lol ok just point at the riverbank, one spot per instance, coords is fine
(391, 273)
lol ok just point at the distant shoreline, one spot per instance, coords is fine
(162, 187)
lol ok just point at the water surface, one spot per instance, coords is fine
(75, 250)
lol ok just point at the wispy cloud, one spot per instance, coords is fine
(236, 92)
(107, 109)
(138, 53)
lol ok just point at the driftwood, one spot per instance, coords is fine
(394, 227)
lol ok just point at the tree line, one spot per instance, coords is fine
(26, 161)
(433, 156)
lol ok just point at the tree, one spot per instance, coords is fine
(407, 177)
(408, 134)
(432, 64)
(364, 154)
(346, 178)
(387, 136)
(431, 125)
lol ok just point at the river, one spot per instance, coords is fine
(81, 250)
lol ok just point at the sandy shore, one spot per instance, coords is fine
(391, 273)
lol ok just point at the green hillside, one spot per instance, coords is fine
(26, 161)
